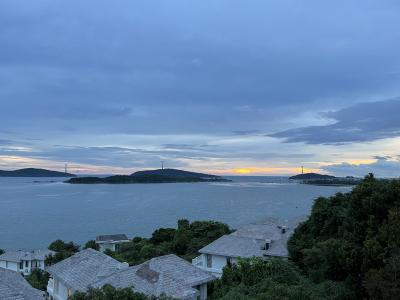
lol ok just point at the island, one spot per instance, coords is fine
(32, 172)
(150, 176)
(322, 179)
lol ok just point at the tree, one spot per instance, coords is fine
(108, 292)
(63, 250)
(273, 279)
(184, 241)
(38, 279)
(60, 246)
(2, 251)
(92, 245)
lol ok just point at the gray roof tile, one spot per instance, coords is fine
(169, 275)
(250, 240)
(14, 287)
(84, 268)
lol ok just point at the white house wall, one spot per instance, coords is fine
(218, 262)
(9, 265)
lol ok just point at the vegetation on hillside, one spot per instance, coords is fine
(92, 245)
(184, 241)
(354, 238)
(108, 292)
(274, 279)
(38, 279)
(63, 249)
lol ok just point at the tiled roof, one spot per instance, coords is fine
(111, 238)
(17, 256)
(84, 268)
(14, 287)
(250, 241)
(169, 275)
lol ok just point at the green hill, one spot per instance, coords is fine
(150, 176)
(32, 172)
(175, 173)
(312, 176)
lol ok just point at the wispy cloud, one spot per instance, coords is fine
(383, 167)
(362, 122)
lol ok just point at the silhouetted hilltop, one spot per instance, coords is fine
(174, 173)
(311, 176)
(32, 172)
(150, 176)
(319, 179)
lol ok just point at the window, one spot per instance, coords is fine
(21, 265)
(229, 261)
(26, 264)
(209, 260)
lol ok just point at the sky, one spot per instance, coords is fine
(221, 86)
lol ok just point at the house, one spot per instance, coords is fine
(78, 272)
(24, 261)
(111, 242)
(169, 275)
(255, 240)
(13, 286)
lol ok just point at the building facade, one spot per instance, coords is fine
(111, 242)
(24, 261)
(263, 240)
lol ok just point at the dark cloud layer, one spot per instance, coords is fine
(359, 123)
(174, 67)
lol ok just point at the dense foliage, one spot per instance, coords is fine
(63, 249)
(108, 292)
(92, 244)
(354, 238)
(2, 251)
(184, 241)
(38, 279)
(254, 279)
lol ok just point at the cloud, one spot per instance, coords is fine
(362, 122)
(217, 75)
(6, 142)
(197, 84)
(246, 132)
(385, 166)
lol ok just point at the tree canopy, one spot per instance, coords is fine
(63, 249)
(38, 279)
(354, 238)
(275, 279)
(108, 292)
(184, 241)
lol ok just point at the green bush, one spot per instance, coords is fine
(38, 279)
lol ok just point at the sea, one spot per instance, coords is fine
(36, 211)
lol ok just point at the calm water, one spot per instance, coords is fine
(32, 214)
